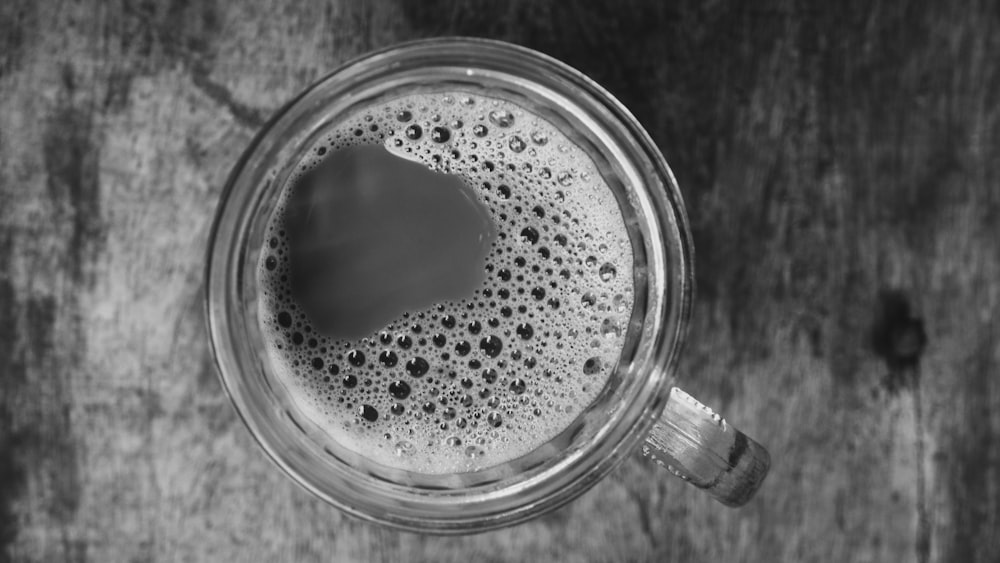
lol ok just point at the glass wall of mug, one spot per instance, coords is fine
(599, 436)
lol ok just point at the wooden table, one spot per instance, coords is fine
(841, 167)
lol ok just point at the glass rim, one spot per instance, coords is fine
(232, 222)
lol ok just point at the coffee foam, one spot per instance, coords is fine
(469, 384)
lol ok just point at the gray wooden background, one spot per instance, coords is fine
(841, 164)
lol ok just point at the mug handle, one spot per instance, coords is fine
(694, 443)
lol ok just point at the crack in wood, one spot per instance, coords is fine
(245, 114)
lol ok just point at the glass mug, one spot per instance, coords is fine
(638, 407)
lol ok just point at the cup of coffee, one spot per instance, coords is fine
(447, 286)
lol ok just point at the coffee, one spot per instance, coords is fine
(371, 235)
(446, 282)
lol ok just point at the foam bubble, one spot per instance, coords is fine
(468, 384)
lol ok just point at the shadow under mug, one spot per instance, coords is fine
(638, 408)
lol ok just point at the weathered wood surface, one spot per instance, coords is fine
(841, 165)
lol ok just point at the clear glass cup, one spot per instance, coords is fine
(638, 408)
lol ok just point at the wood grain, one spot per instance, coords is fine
(841, 165)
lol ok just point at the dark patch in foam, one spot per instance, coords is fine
(372, 235)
